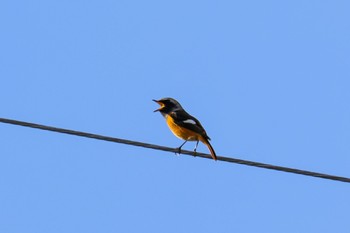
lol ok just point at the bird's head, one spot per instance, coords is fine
(167, 105)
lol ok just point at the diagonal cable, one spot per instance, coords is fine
(169, 149)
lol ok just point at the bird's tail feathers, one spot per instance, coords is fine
(211, 149)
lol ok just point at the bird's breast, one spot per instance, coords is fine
(181, 132)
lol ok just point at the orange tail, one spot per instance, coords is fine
(212, 152)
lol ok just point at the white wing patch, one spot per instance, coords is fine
(190, 121)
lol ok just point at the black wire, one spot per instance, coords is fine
(175, 150)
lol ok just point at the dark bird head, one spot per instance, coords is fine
(167, 105)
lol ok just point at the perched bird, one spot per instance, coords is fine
(182, 124)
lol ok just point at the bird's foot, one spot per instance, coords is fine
(178, 151)
(195, 153)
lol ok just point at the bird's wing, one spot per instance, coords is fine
(187, 121)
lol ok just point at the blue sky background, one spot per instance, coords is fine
(269, 80)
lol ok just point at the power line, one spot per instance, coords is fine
(163, 148)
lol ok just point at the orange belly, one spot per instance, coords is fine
(181, 132)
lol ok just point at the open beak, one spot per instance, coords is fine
(161, 105)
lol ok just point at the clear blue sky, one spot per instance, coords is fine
(269, 80)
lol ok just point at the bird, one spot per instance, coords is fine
(183, 125)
